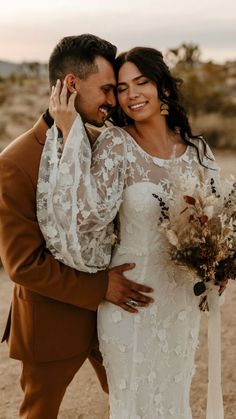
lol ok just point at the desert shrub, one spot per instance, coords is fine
(220, 131)
(2, 129)
(208, 88)
(229, 109)
(3, 93)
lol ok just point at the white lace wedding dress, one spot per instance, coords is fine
(149, 357)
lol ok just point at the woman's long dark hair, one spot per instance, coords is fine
(150, 63)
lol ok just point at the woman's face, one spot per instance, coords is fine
(137, 94)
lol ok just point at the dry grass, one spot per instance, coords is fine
(219, 130)
(21, 104)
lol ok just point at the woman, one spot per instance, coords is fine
(149, 357)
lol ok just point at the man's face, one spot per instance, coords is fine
(96, 94)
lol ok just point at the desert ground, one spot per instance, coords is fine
(84, 398)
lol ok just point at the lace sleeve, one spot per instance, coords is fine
(212, 170)
(79, 194)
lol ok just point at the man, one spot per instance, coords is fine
(52, 324)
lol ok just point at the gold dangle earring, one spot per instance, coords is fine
(164, 109)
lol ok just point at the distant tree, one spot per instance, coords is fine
(31, 69)
(186, 55)
(34, 67)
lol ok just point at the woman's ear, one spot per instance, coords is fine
(72, 83)
(166, 92)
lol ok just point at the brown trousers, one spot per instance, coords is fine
(44, 385)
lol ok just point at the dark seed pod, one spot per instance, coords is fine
(199, 288)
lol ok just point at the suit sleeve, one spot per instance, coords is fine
(23, 251)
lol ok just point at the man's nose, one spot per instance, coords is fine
(111, 99)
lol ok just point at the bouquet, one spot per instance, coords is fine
(199, 222)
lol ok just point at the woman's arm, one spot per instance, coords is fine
(80, 195)
(62, 108)
(22, 246)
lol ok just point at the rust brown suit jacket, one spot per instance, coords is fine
(54, 306)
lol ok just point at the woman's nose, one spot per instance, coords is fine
(133, 93)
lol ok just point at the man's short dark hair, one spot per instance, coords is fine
(77, 54)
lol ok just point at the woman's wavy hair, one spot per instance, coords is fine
(151, 64)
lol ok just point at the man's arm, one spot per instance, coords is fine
(23, 252)
(28, 263)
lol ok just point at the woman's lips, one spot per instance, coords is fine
(137, 106)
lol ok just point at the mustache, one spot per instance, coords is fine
(107, 107)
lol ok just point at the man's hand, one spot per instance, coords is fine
(122, 292)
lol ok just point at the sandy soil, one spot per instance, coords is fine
(84, 398)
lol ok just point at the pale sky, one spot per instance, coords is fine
(30, 29)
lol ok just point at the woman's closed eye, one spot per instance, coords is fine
(142, 82)
(122, 88)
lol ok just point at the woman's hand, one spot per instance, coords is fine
(222, 285)
(62, 108)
